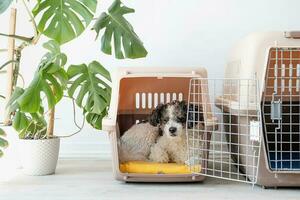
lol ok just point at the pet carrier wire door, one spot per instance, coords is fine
(235, 146)
(281, 109)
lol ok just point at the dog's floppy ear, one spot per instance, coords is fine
(183, 105)
(155, 116)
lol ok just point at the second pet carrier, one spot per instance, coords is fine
(135, 93)
(273, 58)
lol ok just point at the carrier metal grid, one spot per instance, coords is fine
(136, 92)
(274, 58)
(280, 106)
(235, 146)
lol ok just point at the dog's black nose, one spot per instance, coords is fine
(172, 129)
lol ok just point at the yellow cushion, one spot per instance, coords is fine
(142, 167)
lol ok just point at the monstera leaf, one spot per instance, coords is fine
(4, 4)
(12, 104)
(26, 123)
(94, 92)
(50, 79)
(117, 28)
(64, 20)
(30, 125)
(3, 142)
(95, 120)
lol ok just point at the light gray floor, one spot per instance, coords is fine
(92, 179)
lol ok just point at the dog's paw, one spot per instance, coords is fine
(163, 159)
(159, 156)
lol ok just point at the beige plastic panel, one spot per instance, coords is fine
(127, 82)
(129, 87)
(134, 101)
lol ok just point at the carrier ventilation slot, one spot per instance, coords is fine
(151, 100)
(281, 109)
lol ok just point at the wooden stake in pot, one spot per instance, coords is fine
(11, 56)
(51, 115)
(50, 128)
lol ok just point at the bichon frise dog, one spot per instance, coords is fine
(136, 142)
(172, 145)
(160, 139)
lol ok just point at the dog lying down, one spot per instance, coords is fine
(162, 139)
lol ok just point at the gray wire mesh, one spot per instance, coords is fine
(226, 135)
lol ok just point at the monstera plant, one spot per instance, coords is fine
(3, 142)
(87, 85)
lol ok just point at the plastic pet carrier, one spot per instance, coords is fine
(135, 93)
(273, 58)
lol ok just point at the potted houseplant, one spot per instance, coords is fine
(88, 85)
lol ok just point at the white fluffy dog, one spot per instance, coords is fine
(136, 142)
(171, 146)
(169, 149)
(162, 139)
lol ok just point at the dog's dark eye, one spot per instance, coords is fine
(165, 120)
(180, 119)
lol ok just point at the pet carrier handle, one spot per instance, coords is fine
(292, 34)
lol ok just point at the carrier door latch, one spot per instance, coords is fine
(254, 130)
(276, 110)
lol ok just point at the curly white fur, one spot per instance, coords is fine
(169, 149)
(141, 141)
(174, 149)
(136, 142)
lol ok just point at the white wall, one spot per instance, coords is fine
(176, 33)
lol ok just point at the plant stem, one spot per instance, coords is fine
(17, 67)
(3, 50)
(36, 33)
(25, 39)
(7, 63)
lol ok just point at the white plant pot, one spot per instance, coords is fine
(39, 157)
